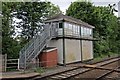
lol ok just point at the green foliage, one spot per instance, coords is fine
(8, 43)
(30, 15)
(106, 25)
(80, 10)
(102, 57)
(39, 70)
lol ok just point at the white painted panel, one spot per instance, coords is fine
(91, 49)
(72, 50)
(59, 45)
(87, 50)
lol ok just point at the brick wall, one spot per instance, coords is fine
(48, 58)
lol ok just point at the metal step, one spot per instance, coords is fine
(35, 46)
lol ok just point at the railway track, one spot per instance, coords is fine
(98, 71)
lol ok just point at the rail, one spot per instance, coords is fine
(36, 45)
(82, 70)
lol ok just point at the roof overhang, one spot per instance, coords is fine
(69, 19)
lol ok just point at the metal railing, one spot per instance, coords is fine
(36, 45)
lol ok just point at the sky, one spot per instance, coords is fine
(119, 9)
(64, 4)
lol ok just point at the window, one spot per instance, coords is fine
(78, 29)
(75, 29)
(60, 30)
(65, 27)
(90, 32)
(60, 25)
(70, 29)
(82, 31)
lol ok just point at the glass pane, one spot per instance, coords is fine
(82, 31)
(78, 29)
(87, 31)
(74, 29)
(65, 27)
(90, 32)
(70, 29)
(60, 25)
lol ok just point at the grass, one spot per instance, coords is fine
(11, 69)
(99, 58)
(39, 70)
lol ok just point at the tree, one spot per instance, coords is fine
(103, 19)
(81, 10)
(31, 16)
(118, 37)
(8, 43)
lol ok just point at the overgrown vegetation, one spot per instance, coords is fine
(32, 14)
(107, 25)
(21, 21)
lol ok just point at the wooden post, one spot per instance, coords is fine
(18, 65)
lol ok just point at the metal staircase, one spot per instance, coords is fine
(33, 48)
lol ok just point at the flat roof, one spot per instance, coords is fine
(61, 17)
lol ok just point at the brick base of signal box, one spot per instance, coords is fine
(48, 58)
